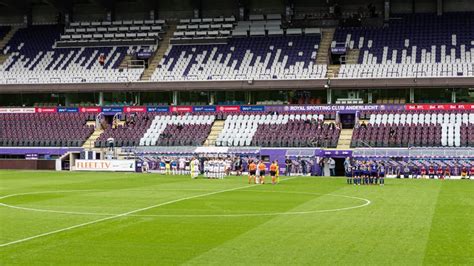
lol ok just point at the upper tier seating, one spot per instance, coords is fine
(204, 28)
(34, 59)
(121, 32)
(415, 45)
(178, 130)
(258, 58)
(416, 129)
(283, 130)
(40, 129)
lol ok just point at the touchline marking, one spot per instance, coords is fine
(125, 214)
(366, 203)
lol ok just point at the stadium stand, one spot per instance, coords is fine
(127, 134)
(204, 29)
(280, 130)
(178, 130)
(34, 59)
(416, 129)
(44, 130)
(414, 45)
(245, 58)
(119, 32)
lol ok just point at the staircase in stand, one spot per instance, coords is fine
(162, 48)
(322, 57)
(8, 37)
(345, 137)
(125, 62)
(3, 58)
(4, 42)
(89, 144)
(216, 129)
(352, 56)
(333, 71)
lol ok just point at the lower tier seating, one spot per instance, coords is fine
(44, 130)
(415, 129)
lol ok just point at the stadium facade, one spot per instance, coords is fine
(274, 79)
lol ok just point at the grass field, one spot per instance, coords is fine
(120, 218)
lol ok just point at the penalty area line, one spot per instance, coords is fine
(126, 214)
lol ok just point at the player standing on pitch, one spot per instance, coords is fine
(273, 172)
(262, 168)
(194, 164)
(252, 171)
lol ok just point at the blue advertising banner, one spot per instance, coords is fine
(338, 50)
(68, 109)
(210, 108)
(158, 109)
(112, 110)
(144, 54)
(252, 108)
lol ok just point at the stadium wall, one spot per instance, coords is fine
(88, 12)
(458, 5)
(22, 164)
(44, 14)
(9, 17)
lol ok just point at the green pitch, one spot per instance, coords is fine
(149, 219)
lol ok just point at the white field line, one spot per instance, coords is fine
(366, 202)
(124, 214)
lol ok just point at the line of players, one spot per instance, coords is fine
(258, 170)
(216, 168)
(365, 173)
(372, 173)
(442, 172)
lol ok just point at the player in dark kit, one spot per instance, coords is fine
(381, 174)
(374, 174)
(356, 173)
(349, 174)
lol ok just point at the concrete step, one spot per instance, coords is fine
(89, 144)
(345, 137)
(8, 36)
(158, 56)
(216, 129)
(325, 43)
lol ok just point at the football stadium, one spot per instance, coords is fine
(236, 132)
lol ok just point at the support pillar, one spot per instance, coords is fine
(369, 96)
(412, 95)
(137, 98)
(67, 99)
(386, 9)
(101, 98)
(175, 97)
(212, 98)
(439, 7)
(453, 96)
(329, 95)
(248, 97)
